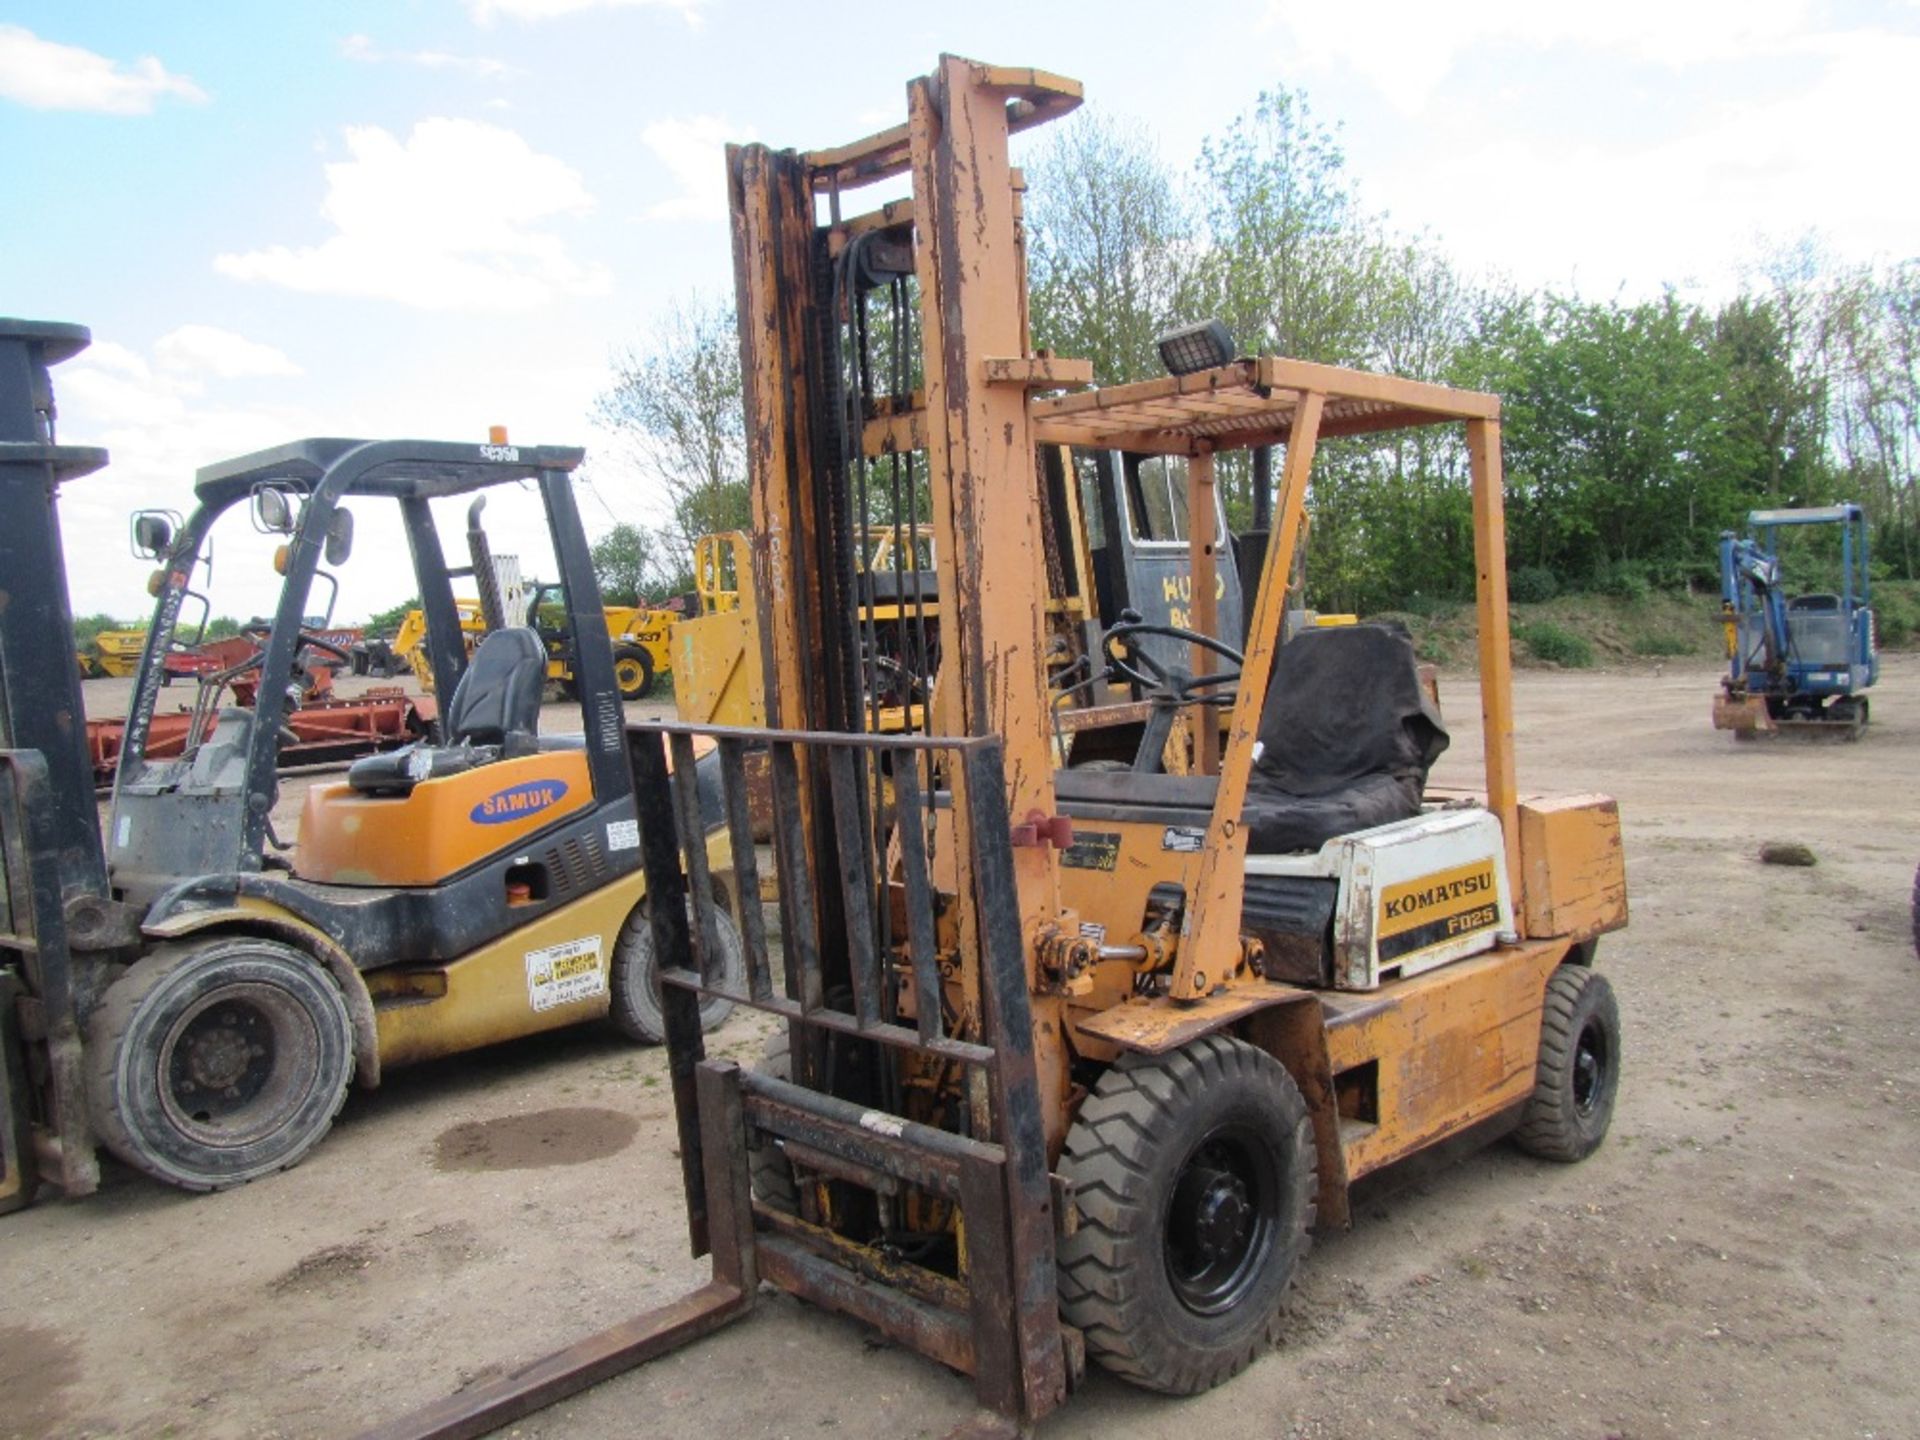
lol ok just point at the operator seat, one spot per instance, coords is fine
(495, 713)
(1347, 736)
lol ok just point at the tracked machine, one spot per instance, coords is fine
(1796, 663)
(1072, 1062)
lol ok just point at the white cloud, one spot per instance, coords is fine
(209, 350)
(484, 12)
(154, 413)
(1686, 204)
(482, 67)
(446, 220)
(1408, 48)
(43, 75)
(694, 152)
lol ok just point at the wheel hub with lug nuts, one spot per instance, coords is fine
(1220, 1214)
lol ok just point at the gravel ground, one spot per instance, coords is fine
(1738, 1260)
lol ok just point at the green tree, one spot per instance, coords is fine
(624, 560)
(676, 410)
(1110, 247)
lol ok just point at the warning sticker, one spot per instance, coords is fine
(623, 835)
(561, 974)
(1092, 850)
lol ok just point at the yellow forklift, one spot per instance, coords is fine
(197, 994)
(1075, 1061)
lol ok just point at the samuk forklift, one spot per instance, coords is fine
(1797, 664)
(217, 988)
(1074, 1062)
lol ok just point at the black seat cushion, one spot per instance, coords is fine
(396, 772)
(495, 712)
(1347, 736)
(499, 696)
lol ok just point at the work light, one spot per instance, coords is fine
(1195, 347)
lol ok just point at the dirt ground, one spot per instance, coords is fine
(1739, 1259)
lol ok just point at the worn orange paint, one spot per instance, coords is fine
(1453, 1046)
(421, 838)
(1576, 876)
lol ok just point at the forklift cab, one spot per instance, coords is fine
(207, 811)
(1139, 539)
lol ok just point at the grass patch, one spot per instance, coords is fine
(1555, 644)
(1656, 645)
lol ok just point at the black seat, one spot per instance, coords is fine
(495, 711)
(1347, 736)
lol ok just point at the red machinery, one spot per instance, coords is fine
(329, 730)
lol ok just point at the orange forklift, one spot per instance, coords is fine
(1073, 1062)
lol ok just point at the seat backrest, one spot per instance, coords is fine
(1345, 702)
(499, 696)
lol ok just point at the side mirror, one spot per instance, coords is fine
(273, 510)
(339, 537)
(152, 534)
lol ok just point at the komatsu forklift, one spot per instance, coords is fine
(1073, 1063)
(196, 993)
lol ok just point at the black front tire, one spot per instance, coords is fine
(636, 983)
(632, 672)
(212, 1064)
(1579, 1070)
(1195, 1177)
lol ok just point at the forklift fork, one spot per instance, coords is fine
(992, 1316)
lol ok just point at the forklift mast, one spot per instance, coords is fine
(41, 705)
(53, 874)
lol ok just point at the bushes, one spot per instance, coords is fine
(1658, 646)
(1896, 611)
(1532, 585)
(1555, 644)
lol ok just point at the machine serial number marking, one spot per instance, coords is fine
(1433, 909)
(561, 974)
(508, 453)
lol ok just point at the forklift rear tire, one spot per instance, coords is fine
(632, 672)
(1195, 1176)
(636, 977)
(1579, 1071)
(212, 1064)
(774, 1183)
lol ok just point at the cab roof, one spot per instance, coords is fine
(401, 469)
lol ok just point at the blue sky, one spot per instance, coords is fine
(427, 216)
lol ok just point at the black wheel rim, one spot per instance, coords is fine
(1223, 1220)
(238, 1065)
(1591, 1064)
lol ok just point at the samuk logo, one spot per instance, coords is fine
(517, 802)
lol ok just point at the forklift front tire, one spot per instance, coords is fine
(632, 672)
(1195, 1177)
(1579, 1069)
(636, 977)
(216, 1063)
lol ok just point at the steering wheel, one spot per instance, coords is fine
(1133, 663)
(307, 641)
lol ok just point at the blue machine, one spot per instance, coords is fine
(1795, 661)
